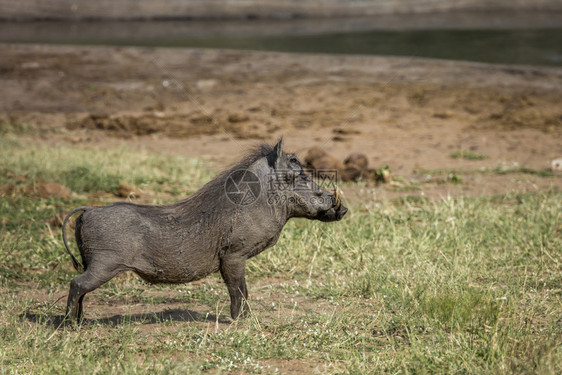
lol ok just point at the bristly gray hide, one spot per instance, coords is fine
(204, 233)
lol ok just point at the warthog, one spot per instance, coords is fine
(232, 218)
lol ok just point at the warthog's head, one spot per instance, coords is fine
(288, 184)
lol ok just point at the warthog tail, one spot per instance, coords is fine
(77, 265)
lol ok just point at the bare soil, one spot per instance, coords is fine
(410, 114)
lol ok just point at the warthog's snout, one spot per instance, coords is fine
(333, 214)
(340, 213)
(337, 211)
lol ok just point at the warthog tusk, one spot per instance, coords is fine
(337, 197)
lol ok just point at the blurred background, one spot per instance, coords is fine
(500, 31)
(424, 90)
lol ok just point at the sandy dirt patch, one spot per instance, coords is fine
(409, 114)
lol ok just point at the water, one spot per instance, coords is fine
(491, 41)
(534, 47)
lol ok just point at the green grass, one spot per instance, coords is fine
(90, 171)
(499, 170)
(524, 170)
(8, 127)
(464, 154)
(464, 285)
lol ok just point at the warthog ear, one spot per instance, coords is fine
(278, 149)
(278, 152)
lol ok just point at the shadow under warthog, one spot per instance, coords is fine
(174, 315)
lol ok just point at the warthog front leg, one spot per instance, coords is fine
(232, 271)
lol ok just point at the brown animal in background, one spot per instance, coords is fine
(358, 160)
(326, 164)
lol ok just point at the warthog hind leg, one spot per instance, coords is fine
(81, 285)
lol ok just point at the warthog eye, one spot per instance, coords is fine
(294, 160)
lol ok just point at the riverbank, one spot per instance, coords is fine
(270, 9)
